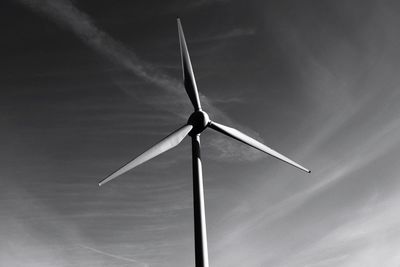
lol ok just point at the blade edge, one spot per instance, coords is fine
(236, 134)
(162, 146)
(187, 69)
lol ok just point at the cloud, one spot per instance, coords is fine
(200, 3)
(33, 234)
(122, 258)
(363, 240)
(234, 33)
(368, 238)
(357, 129)
(67, 15)
(329, 174)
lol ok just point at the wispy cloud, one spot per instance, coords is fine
(363, 237)
(357, 132)
(199, 3)
(122, 258)
(329, 174)
(234, 33)
(367, 238)
(66, 14)
(44, 241)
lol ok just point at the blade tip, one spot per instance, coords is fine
(102, 182)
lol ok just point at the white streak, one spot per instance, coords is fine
(67, 15)
(114, 256)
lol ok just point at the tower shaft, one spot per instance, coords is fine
(200, 232)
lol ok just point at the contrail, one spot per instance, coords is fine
(69, 16)
(114, 256)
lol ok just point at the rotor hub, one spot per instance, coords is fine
(199, 120)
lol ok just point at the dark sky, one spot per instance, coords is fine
(88, 85)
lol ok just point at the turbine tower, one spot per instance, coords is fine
(196, 124)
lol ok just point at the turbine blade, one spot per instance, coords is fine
(167, 143)
(188, 75)
(254, 143)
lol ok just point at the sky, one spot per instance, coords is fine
(88, 85)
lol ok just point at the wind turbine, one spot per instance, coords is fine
(196, 124)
